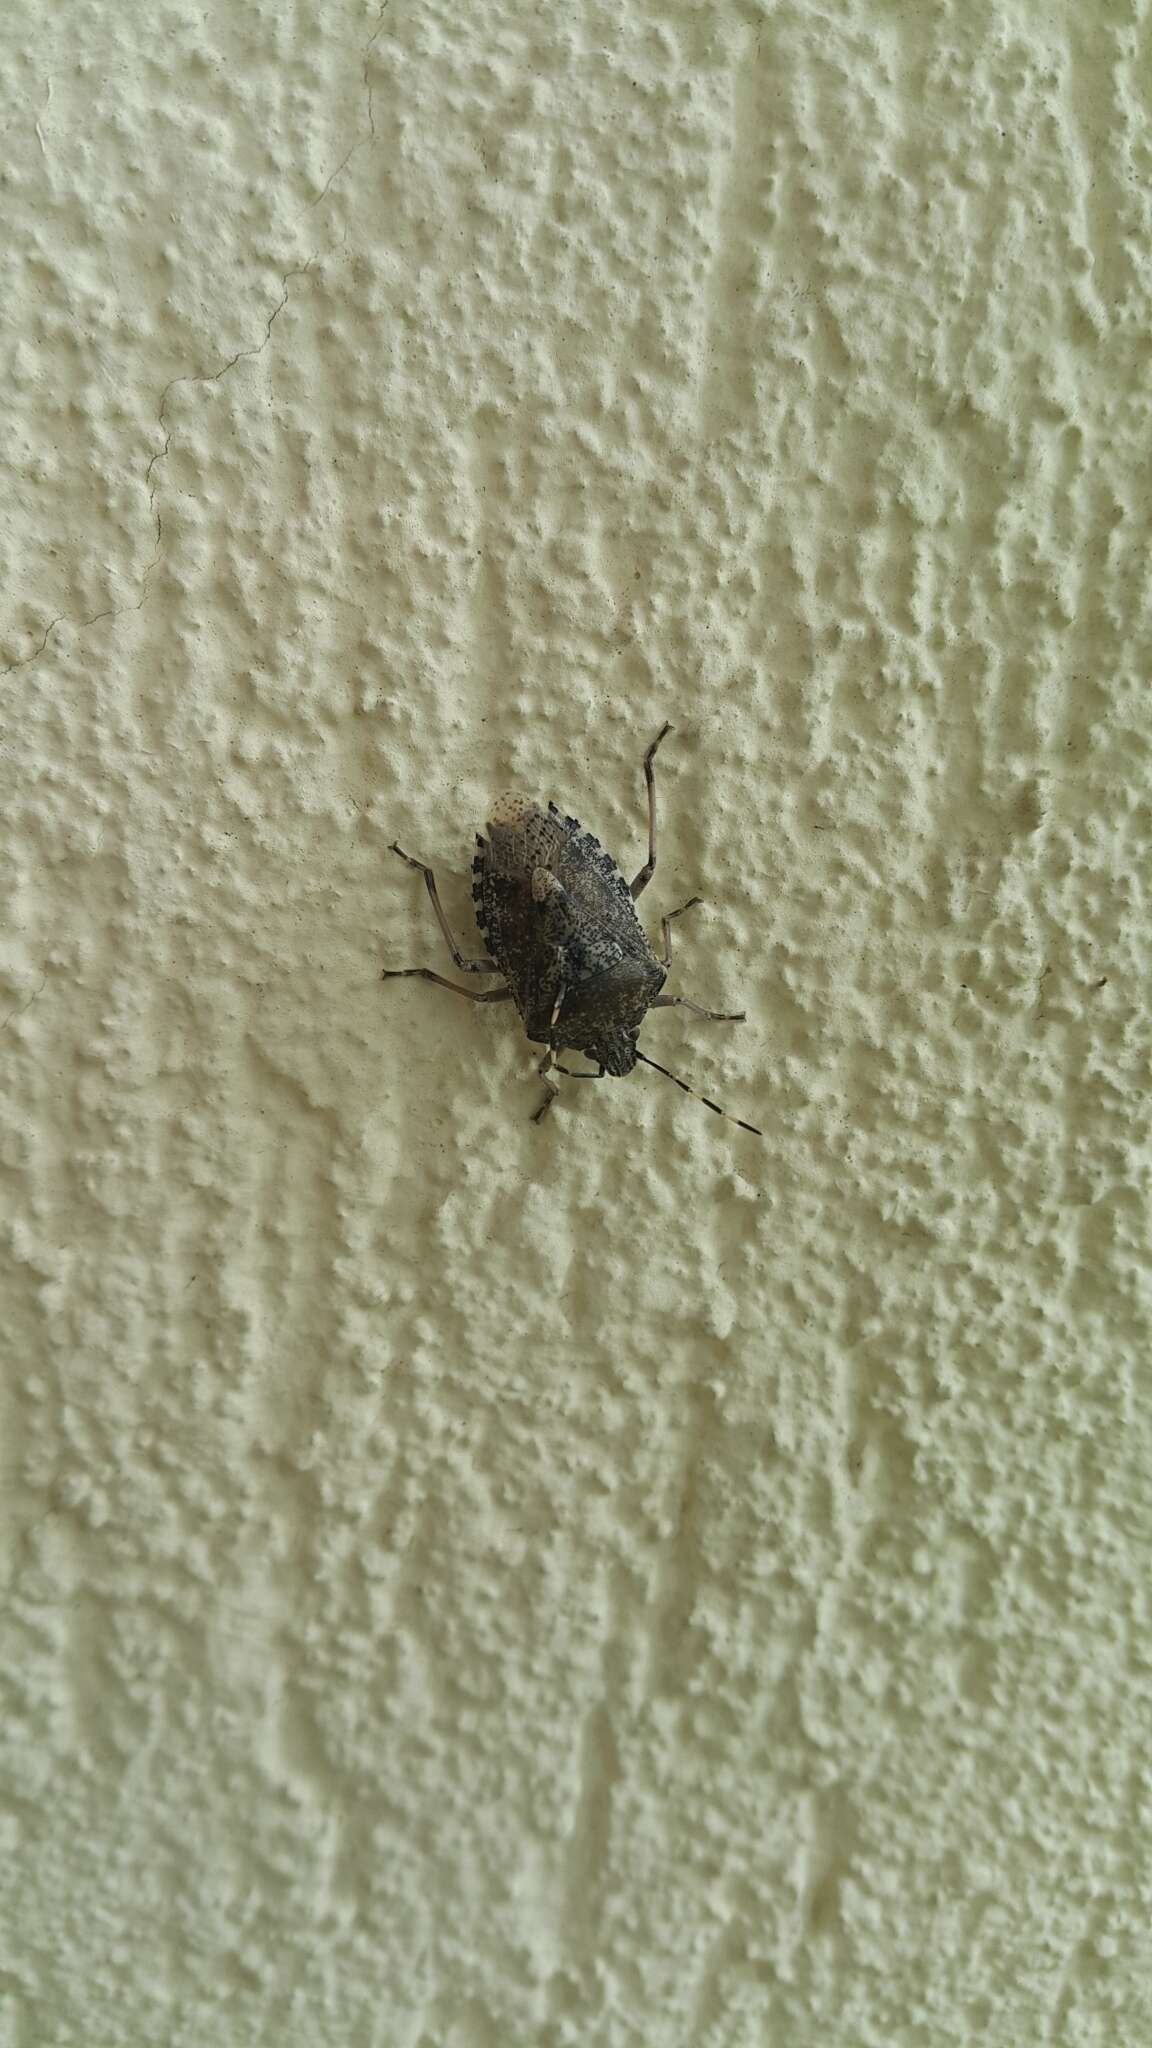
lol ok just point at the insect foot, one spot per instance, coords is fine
(561, 927)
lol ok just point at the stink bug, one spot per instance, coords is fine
(558, 917)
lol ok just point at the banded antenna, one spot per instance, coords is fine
(573, 1075)
(696, 1095)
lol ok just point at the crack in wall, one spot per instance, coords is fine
(213, 377)
(362, 141)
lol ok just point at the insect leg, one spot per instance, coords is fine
(547, 1061)
(469, 966)
(666, 956)
(645, 876)
(714, 1016)
(474, 995)
(553, 1090)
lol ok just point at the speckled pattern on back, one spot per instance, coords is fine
(559, 920)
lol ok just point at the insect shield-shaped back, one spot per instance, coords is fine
(558, 918)
(560, 925)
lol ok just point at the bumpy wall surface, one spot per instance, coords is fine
(619, 1583)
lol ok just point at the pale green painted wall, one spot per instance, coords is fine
(617, 1584)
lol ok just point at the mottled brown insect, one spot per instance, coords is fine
(560, 924)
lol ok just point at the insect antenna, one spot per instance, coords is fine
(696, 1096)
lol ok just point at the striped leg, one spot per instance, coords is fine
(645, 876)
(468, 966)
(474, 995)
(713, 1016)
(666, 923)
(553, 1091)
(547, 1061)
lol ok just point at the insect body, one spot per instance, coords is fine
(558, 917)
(561, 925)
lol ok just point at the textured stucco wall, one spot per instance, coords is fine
(618, 1584)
